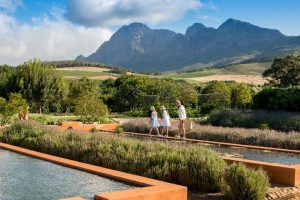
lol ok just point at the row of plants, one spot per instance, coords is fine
(268, 138)
(194, 166)
(281, 121)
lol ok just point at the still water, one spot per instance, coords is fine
(26, 178)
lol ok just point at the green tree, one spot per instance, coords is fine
(241, 95)
(108, 90)
(91, 109)
(217, 94)
(80, 88)
(284, 72)
(15, 105)
(140, 92)
(41, 85)
(6, 83)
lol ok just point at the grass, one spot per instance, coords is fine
(238, 69)
(81, 73)
(191, 74)
(268, 138)
(52, 119)
(194, 166)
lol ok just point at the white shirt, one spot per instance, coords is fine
(181, 113)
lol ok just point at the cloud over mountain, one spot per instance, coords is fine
(92, 13)
(50, 37)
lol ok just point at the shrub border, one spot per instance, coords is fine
(278, 173)
(150, 189)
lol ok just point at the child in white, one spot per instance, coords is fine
(182, 118)
(153, 121)
(165, 123)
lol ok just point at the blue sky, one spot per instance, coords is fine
(283, 15)
(63, 29)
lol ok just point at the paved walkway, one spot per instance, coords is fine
(274, 193)
(283, 193)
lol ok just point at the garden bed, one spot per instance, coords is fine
(196, 167)
(256, 137)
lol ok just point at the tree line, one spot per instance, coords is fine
(46, 91)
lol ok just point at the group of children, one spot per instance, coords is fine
(165, 122)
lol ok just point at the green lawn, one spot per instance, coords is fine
(191, 74)
(81, 73)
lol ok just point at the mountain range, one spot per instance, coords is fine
(140, 48)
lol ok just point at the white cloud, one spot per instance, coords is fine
(47, 39)
(92, 13)
(209, 18)
(10, 5)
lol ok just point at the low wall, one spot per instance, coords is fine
(288, 175)
(150, 189)
(78, 126)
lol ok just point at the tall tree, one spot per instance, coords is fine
(41, 85)
(6, 77)
(284, 71)
(82, 87)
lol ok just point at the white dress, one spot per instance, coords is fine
(165, 119)
(154, 122)
(181, 113)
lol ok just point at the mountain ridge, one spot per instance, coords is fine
(140, 48)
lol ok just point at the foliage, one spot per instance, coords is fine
(118, 70)
(15, 105)
(268, 138)
(80, 88)
(246, 184)
(282, 121)
(219, 94)
(41, 86)
(75, 63)
(241, 96)
(51, 119)
(192, 166)
(278, 99)
(108, 90)
(91, 109)
(140, 92)
(284, 71)
(119, 130)
(6, 75)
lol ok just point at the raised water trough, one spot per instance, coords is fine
(46, 180)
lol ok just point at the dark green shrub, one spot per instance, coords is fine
(278, 99)
(282, 121)
(244, 183)
(93, 130)
(208, 107)
(119, 130)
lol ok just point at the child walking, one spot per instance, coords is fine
(165, 123)
(153, 121)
